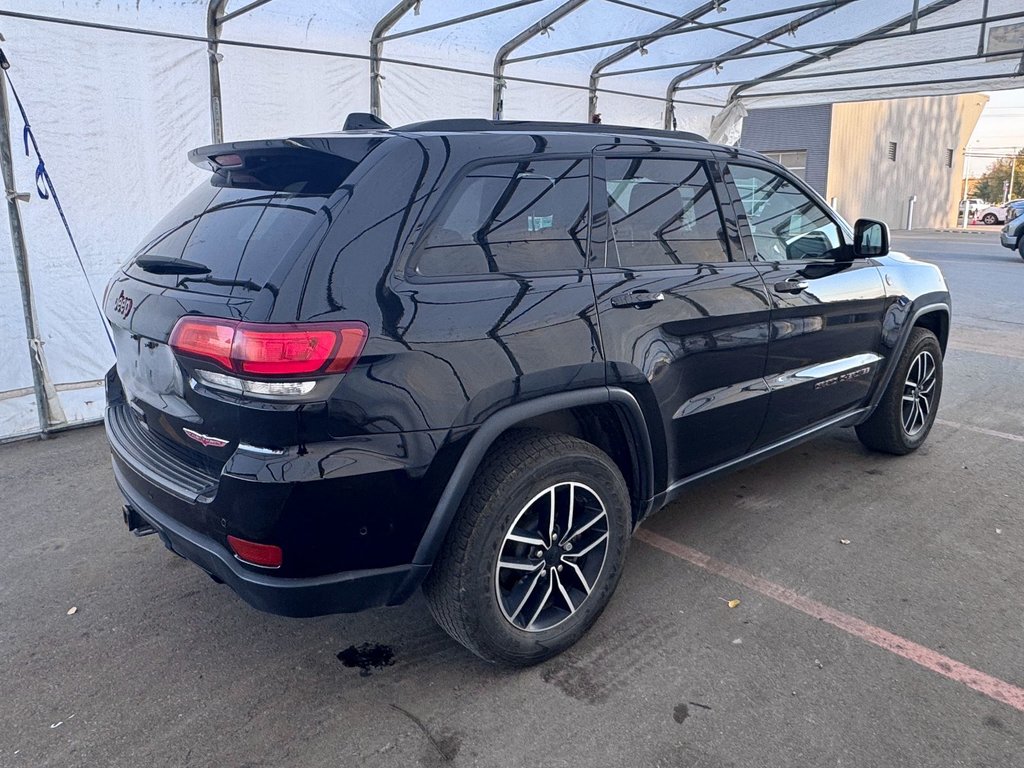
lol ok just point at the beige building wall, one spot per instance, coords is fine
(867, 184)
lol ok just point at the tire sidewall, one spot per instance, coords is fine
(924, 342)
(493, 629)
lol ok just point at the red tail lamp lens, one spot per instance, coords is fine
(271, 349)
(265, 555)
(204, 338)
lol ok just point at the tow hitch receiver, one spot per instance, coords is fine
(136, 523)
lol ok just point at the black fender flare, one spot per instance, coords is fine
(494, 426)
(901, 345)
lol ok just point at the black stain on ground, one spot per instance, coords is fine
(366, 657)
(576, 681)
(680, 713)
(995, 724)
(698, 704)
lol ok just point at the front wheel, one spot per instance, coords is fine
(990, 218)
(535, 551)
(906, 412)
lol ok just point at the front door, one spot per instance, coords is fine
(825, 350)
(683, 315)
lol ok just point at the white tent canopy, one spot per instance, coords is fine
(118, 92)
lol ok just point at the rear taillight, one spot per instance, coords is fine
(271, 350)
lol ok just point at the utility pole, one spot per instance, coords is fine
(1013, 169)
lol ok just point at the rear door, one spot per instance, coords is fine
(684, 317)
(826, 310)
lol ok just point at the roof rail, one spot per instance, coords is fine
(470, 124)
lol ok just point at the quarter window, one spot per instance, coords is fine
(661, 212)
(785, 223)
(528, 216)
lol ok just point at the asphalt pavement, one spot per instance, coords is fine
(880, 616)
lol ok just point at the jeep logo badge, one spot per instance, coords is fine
(123, 305)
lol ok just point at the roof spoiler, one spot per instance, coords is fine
(364, 121)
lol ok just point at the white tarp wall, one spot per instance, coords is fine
(115, 113)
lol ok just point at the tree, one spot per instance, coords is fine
(990, 186)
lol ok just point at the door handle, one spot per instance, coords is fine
(638, 299)
(791, 286)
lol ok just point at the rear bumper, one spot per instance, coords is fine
(298, 597)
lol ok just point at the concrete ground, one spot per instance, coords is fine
(901, 648)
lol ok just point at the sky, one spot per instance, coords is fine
(1000, 129)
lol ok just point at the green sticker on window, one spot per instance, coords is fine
(537, 223)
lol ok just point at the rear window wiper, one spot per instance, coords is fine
(163, 265)
(248, 285)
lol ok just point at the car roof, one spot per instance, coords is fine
(478, 125)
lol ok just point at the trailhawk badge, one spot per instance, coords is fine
(208, 440)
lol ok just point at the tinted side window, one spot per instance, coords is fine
(662, 211)
(529, 216)
(785, 223)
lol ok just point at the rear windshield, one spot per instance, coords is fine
(243, 223)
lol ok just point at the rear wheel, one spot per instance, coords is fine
(906, 412)
(535, 551)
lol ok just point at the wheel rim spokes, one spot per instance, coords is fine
(918, 391)
(551, 557)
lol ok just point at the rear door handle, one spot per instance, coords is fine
(791, 286)
(637, 299)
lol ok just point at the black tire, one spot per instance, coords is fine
(1020, 244)
(887, 429)
(466, 591)
(990, 218)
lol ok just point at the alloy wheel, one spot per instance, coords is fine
(551, 557)
(918, 393)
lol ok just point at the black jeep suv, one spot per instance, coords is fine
(475, 355)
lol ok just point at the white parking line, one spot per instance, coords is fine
(980, 430)
(984, 350)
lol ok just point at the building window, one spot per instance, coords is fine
(949, 158)
(892, 151)
(793, 160)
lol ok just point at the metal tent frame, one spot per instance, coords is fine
(665, 28)
(755, 46)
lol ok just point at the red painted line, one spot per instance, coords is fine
(990, 686)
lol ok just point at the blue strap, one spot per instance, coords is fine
(45, 190)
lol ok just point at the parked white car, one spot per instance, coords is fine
(996, 214)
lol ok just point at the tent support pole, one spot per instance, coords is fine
(387, 21)
(497, 96)
(886, 31)
(640, 45)
(984, 28)
(45, 414)
(787, 28)
(214, 17)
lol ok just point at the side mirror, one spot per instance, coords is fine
(870, 238)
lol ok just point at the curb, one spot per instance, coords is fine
(958, 231)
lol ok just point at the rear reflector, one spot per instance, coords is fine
(263, 555)
(271, 350)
